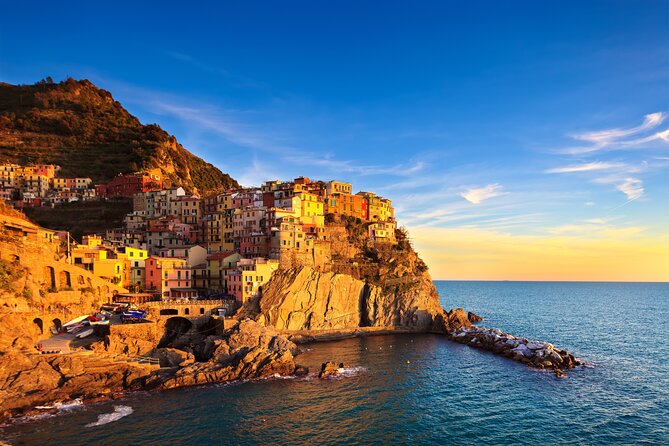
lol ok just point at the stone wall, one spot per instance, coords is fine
(133, 339)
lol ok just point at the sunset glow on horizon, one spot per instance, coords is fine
(457, 254)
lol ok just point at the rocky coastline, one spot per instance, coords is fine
(393, 294)
(536, 354)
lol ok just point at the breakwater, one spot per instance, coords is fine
(536, 354)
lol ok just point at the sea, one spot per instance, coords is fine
(424, 389)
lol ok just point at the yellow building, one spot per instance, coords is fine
(117, 271)
(378, 208)
(382, 231)
(310, 204)
(246, 280)
(337, 187)
(135, 259)
(216, 267)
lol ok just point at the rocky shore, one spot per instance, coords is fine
(541, 355)
(246, 351)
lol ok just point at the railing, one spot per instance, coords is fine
(143, 360)
(172, 303)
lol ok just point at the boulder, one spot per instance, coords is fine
(457, 318)
(172, 357)
(473, 317)
(301, 370)
(328, 369)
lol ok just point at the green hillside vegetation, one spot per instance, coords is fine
(89, 134)
(81, 218)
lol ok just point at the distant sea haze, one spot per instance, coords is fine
(424, 389)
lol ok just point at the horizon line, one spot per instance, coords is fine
(558, 281)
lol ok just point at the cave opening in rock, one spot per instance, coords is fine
(362, 307)
(174, 328)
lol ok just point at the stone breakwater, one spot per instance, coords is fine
(541, 355)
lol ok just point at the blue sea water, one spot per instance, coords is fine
(424, 389)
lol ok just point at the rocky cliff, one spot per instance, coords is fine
(367, 284)
(245, 351)
(89, 134)
(305, 299)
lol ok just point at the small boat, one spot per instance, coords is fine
(134, 316)
(105, 322)
(73, 327)
(85, 333)
(77, 329)
(76, 320)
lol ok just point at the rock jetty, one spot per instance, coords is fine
(541, 355)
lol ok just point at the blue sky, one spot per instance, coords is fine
(520, 118)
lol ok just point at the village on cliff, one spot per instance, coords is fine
(176, 246)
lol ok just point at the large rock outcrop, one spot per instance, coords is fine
(367, 284)
(29, 381)
(248, 351)
(305, 299)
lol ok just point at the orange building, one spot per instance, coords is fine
(161, 272)
(346, 204)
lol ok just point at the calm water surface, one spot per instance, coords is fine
(423, 389)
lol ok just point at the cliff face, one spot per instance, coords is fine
(84, 130)
(305, 299)
(367, 284)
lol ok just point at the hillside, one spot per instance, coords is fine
(89, 134)
(82, 217)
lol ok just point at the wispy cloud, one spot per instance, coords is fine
(238, 127)
(179, 56)
(632, 187)
(222, 122)
(354, 166)
(615, 138)
(477, 195)
(606, 136)
(587, 167)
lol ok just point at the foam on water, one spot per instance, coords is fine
(106, 418)
(350, 371)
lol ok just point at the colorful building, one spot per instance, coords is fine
(217, 265)
(246, 280)
(161, 273)
(129, 184)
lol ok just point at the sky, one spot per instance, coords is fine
(518, 140)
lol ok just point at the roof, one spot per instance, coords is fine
(221, 255)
